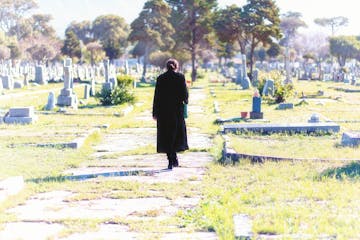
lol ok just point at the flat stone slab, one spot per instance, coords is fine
(351, 139)
(10, 186)
(192, 236)
(127, 139)
(55, 205)
(242, 226)
(150, 160)
(30, 230)
(106, 231)
(280, 128)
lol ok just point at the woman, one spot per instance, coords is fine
(168, 110)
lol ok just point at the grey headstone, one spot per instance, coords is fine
(18, 85)
(51, 102)
(22, 115)
(350, 139)
(87, 91)
(269, 88)
(283, 106)
(40, 75)
(7, 82)
(314, 118)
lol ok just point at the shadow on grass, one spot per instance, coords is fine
(82, 177)
(351, 170)
(90, 106)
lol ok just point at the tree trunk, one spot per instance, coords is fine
(251, 60)
(143, 79)
(193, 66)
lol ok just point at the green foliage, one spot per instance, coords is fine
(351, 170)
(344, 47)
(112, 32)
(282, 91)
(119, 95)
(193, 21)
(71, 45)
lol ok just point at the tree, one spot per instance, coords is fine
(12, 11)
(4, 52)
(193, 22)
(96, 52)
(290, 23)
(274, 50)
(40, 24)
(334, 23)
(152, 29)
(71, 45)
(159, 58)
(229, 26)
(262, 23)
(41, 48)
(83, 30)
(112, 32)
(344, 47)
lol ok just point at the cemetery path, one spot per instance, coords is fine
(141, 198)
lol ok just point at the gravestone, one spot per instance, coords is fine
(283, 106)
(269, 88)
(87, 91)
(256, 107)
(7, 82)
(67, 97)
(314, 118)
(107, 84)
(51, 102)
(350, 139)
(22, 115)
(18, 85)
(40, 75)
(245, 81)
(92, 89)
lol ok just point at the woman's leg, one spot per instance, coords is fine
(170, 158)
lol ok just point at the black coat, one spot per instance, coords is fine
(168, 108)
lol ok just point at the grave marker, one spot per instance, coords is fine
(22, 115)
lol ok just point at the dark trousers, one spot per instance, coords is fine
(171, 156)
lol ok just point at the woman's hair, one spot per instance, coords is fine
(172, 64)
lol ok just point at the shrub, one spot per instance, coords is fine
(120, 94)
(282, 91)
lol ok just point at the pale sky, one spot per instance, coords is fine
(65, 11)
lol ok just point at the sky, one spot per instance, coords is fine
(65, 11)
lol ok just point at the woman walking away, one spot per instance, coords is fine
(168, 110)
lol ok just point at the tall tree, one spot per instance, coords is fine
(12, 11)
(40, 24)
(262, 24)
(152, 29)
(112, 32)
(71, 45)
(290, 23)
(229, 26)
(193, 21)
(344, 47)
(334, 23)
(96, 53)
(83, 30)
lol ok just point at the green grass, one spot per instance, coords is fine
(280, 198)
(305, 197)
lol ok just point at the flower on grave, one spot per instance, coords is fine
(256, 93)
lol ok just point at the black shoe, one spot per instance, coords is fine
(170, 166)
(175, 162)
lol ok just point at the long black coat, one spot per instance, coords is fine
(168, 108)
